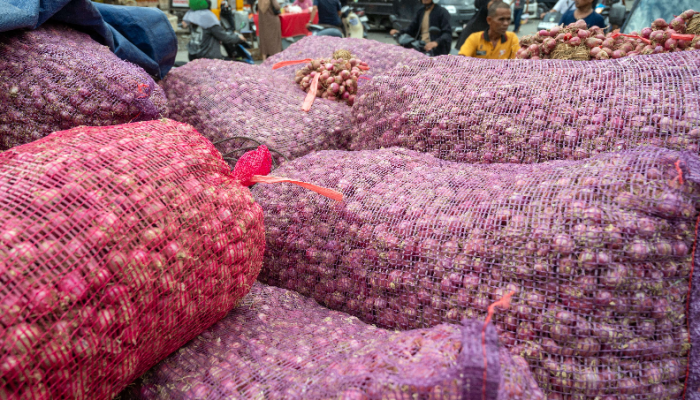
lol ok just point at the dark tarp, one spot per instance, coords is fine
(140, 35)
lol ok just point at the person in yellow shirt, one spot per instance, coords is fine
(495, 42)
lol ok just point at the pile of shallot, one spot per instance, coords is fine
(337, 78)
(577, 42)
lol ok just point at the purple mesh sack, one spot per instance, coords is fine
(224, 100)
(381, 57)
(55, 78)
(598, 252)
(280, 345)
(490, 111)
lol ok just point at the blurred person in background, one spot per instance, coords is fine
(477, 23)
(495, 42)
(328, 14)
(518, 13)
(562, 7)
(269, 27)
(206, 33)
(431, 14)
(585, 11)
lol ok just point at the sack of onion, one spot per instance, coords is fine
(57, 78)
(495, 111)
(280, 345)
(117, 245)
(226, 101)
(599, 253)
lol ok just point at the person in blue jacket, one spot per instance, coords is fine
(585, 11)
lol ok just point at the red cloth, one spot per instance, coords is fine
(292, 24)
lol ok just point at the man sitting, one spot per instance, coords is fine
(495, 42)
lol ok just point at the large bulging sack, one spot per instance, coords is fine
(381, 57)
(226, 100)
(598, 253)
(493, 111)
(117, 246)
(280, 345)
(56, 78)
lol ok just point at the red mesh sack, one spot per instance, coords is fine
(56, 78)
(597, 251)
(117, 245)
(226, 100)
(381, 57)
(491, 111)
(280, 345)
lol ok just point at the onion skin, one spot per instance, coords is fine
(84, 301)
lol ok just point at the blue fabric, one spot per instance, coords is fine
(328, 12)
(140, 35)
(517, 18)
(594, 19)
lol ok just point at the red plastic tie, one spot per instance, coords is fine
(687, 301)
(291, 62)
(680, 171)
(362, 77)
(362, 67)
(137, 115)
(505, 302)
(616, 34)
(311, 96)
(140, 88)
(680, 36)
(253, 167)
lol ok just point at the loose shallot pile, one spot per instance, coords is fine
(57, 78)
(117, 245)
(382, 57)
(577, 42)
(598, 252)
(280, 345)
(337, 77)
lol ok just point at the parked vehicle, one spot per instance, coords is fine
(550, 20)
(378, 12)
(409, 42)
(353, 23)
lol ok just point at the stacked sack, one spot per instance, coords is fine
(598, 254)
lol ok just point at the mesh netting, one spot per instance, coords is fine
(224, 100)
(281, 345)
(56, 78)
(381, 57)
(598, 252)
(486, 111)
(117, 246)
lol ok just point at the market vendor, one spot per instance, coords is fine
(495, 42)
(585, 11)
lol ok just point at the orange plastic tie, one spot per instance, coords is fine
(311, 96)
(680, 171)
(291, 62)
(687, 302)
(362, 67)
(505, 302)
(330, 193)
(680, 36)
